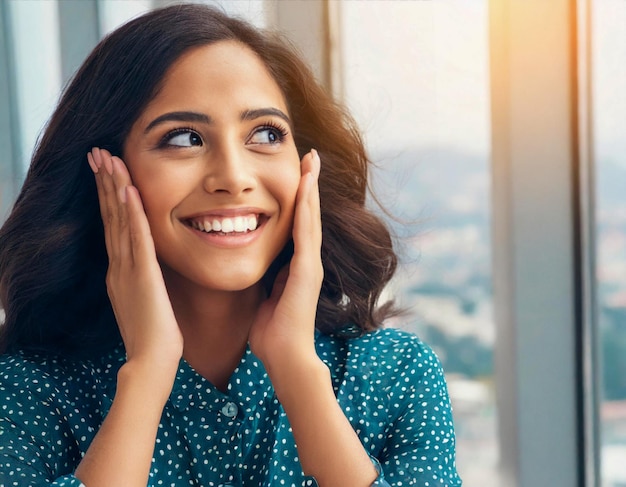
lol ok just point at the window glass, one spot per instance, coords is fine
(419, 88)
(113, 13)
(35, 50)
(609, 113)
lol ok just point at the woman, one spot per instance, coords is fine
(211, 301)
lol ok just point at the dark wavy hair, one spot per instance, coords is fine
(53, 260)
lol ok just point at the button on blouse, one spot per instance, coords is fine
(388, 383)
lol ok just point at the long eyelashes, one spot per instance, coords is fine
(274, 129)
(268, 133)
(184, 136)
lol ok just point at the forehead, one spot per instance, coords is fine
(219, 75)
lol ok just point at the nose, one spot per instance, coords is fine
(230, 171)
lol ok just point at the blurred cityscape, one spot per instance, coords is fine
(440, 203)
(440, 200)
(611, 262)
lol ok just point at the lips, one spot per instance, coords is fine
(226, 225)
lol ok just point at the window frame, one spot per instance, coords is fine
(10, 133)
(543, 270)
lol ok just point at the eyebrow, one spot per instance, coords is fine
(178, 117)
(202, 118)
(264, 112)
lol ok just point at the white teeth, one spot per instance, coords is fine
(252, 223)
(239, 224)
(227, 225)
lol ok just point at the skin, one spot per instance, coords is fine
(177, 292)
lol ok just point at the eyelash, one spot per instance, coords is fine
(164, 142)
(281, 132)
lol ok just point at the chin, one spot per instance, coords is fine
(218, 280)
(236, 285)
(233, 282)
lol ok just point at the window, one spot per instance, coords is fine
(419, 88)
(608, 41)
(31, 78)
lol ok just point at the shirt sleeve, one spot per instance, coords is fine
(36, 449)
(20, 467)
(26, 459)
(310, 481)
(420, 445)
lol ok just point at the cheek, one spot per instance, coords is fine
(288, 186)
(157, 202)
(148, 187)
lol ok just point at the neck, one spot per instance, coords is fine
(215, 327)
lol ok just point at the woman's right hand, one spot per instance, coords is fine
(122, 450)
(144, 314)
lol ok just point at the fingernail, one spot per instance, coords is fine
(96, 157)
(122, 194)
(318, 162)
(92, 163)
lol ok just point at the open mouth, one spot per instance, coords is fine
(227, 225)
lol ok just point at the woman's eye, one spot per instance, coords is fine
(267, 135)
(183, 139)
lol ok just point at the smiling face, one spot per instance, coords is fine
(215, 162)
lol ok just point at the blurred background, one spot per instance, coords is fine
(497, 130)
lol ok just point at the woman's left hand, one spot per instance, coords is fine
(282, 336)
(284, 327)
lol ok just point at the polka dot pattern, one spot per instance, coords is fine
(388, 383)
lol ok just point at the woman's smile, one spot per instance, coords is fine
(225, 225)
(228, 228)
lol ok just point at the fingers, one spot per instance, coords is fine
(112, 181)
(308, 214)
(315, 200)
(307, 228)
(95, 162)
(140, 237)
(112, 207)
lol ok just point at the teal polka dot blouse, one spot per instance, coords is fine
(389, 384)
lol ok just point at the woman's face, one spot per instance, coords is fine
(215, 162)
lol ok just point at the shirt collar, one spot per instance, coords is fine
(249, 386)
